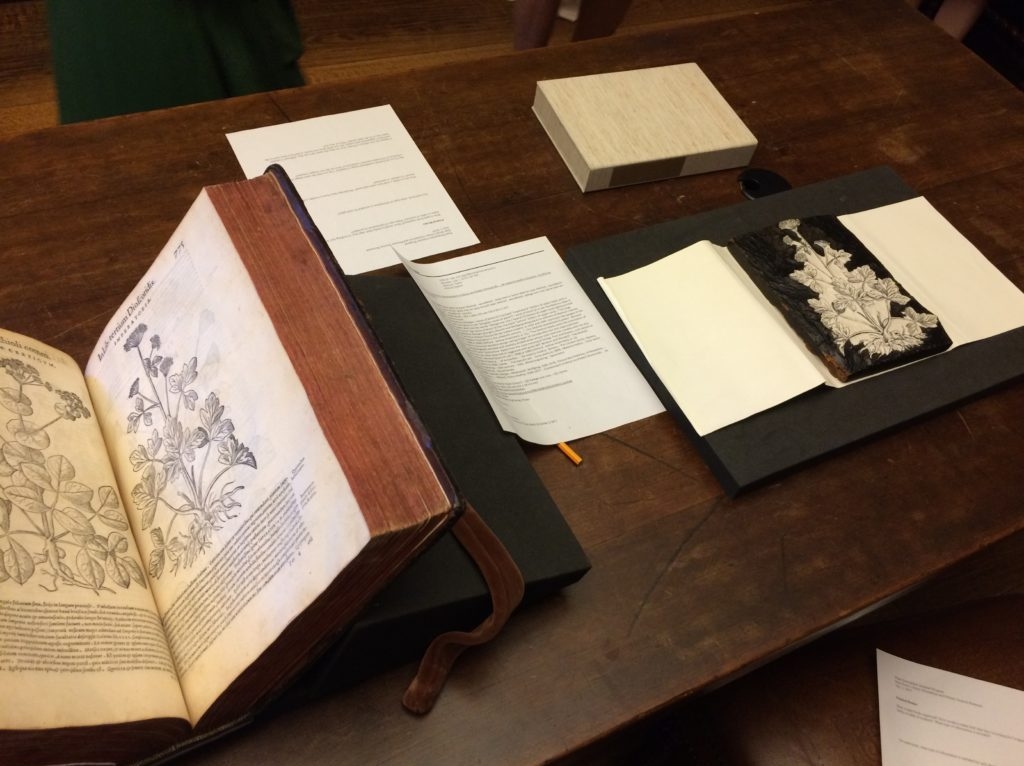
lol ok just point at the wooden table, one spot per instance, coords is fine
(688, 588)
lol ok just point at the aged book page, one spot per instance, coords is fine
(240, 508)
(81, 643)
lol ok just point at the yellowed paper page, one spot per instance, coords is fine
(80, 641)
(241, 509)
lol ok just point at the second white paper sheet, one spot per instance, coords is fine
(547, 362)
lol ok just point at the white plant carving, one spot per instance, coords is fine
(856, 306)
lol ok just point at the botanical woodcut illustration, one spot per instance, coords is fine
(838, 296)
(54, 530)
(185, 492)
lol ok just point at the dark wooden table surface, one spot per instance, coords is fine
(688, 588)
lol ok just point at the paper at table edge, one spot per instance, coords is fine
(932, 716)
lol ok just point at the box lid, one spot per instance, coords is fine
(640, 116)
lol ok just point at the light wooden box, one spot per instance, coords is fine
(621, 128)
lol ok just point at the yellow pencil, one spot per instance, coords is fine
(570, 453)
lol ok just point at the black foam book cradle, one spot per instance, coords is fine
(442, 589)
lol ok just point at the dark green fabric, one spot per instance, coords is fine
(119, 56)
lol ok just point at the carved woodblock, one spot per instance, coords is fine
(838, 296)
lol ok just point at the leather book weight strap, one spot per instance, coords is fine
(505, 583)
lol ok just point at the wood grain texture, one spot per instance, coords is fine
(688, 588)
(821, 706)
(28, 97)
(342, 41)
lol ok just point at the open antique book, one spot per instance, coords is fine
(188, 524)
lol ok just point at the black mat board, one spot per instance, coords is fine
(814, 424)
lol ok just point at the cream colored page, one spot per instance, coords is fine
(80, 640)
(242, 512)
(720, 353)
